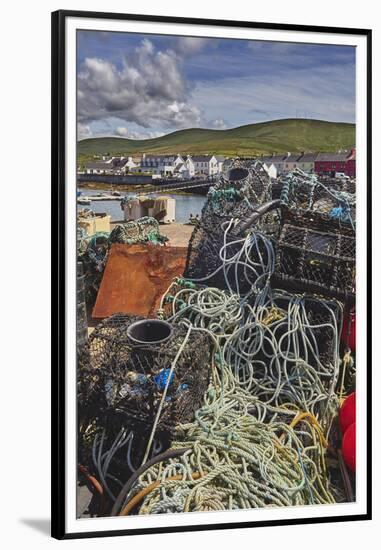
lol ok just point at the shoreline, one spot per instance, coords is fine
(131, 188)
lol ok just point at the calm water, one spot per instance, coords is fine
(186, 204)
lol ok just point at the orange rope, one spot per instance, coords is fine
(147, 490)
(94, 482)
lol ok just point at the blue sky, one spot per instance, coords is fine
(141, 86)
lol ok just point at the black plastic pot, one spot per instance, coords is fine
(149, 332)
(237, 174)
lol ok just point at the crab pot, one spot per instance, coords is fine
(319, 206)
(128, 368)
(316, 261)
(235, 196)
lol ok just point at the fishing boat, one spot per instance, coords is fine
(84, 201)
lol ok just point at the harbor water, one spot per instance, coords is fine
(186, 204)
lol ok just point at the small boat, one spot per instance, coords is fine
(84, 201)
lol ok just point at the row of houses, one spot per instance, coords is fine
(158, 165)
(190, 166)
(319, 163)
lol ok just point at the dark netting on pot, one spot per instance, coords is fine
(121, 380)
(92, 252)
(232, 201)
(316, 261)
(143, 230)
(308, 202)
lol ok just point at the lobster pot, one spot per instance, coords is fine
(204, 263)
(327, 207)
(81, 307)
(232, 200)
(142, 230)
(122, 378)
(316, 261)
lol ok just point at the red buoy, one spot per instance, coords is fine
(347, 413)
(349, 447)
(348, 334)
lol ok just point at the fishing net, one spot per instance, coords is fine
(121, 384)
(143, 230)
(92, 251)
(233, 199)
(316, 261)
(308, 202)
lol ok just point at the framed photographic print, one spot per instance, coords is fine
(211, 274)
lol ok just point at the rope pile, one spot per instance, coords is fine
(261, 437)
(259, 434)
(230, 459)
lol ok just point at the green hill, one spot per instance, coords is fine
(276, 136)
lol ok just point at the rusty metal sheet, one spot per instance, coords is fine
(135, 278)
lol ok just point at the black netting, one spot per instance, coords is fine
(325, 205)
(125, 381)
(232, 200)
(316, 261)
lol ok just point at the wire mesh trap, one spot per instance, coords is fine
(316, 261)
(143, 230)
(309, 202)
(121, 381)
(234, 199)
(92, 252)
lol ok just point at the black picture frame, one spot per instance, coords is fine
(58, 528)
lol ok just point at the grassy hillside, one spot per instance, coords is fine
(276, 136)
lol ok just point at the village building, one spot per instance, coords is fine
(307, 162)
(110, 166)
(220, 163)
(206, 164)
(331, 163)
(270, 170)
(162, 165)
(291, 162)
(277, 161)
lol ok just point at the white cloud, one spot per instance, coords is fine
(149, 90)
(218, 124)
(121, 131)
(190, 45)
(84, 131)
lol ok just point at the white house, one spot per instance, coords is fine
(291, 162)
(99, 167)
(270, 170)
(220, 162)
(205, 164)
(111, 166)
(163, 165)
(130, 165)
(307, 162)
